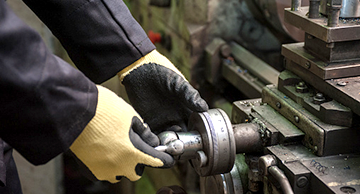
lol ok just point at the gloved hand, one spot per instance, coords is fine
(116, 142)
(160, 93)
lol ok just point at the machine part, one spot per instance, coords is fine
(265, 162)
(257, 67)
(295, 5)
(301, 87)
(333, 52)
(321, 137)
(171, 190)
(228, 183)
(281, 179)
(347, 29)
(174, 148)
(349, 9)
(218, 140)
(248, 138)
(314, 9)
(298, 57)
(185, 145)
(333, 12)
(319, 98)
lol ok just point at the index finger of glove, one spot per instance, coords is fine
(189, 96)
(143, 130)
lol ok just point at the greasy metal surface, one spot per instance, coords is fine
(304, 59)
(330, 111)
(288, 131)
(340, 171)
(347, 95)
(297, 174)
(346, 31)
(257, 67)
(242, 109)
(321, 137)
(218, 141)
(227, 183)
(350, 8)
(333, 52)
(247, 138)
(241, 79)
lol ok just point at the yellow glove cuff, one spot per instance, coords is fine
(152, 57)
(104, 146)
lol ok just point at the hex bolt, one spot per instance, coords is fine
(307, 65)
(302, 181)
(319, 98)
(301, 87)
(278, 105)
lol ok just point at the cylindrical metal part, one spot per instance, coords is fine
(295, 5)
(192, 143)
(247, 138)
(281, 179)
(349, 9)
(333, 15)
(314, 8)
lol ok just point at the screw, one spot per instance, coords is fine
(330, 45)
(302, 181)
(278, 104)
(307, 65)
(297, 119)
(341, 83)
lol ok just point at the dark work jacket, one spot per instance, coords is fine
(44, 102)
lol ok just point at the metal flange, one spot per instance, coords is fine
(219, 150)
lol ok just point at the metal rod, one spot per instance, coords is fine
(333, 11)
(295, 5)
(282, 179)
(314, 8)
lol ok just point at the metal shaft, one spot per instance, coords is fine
(295, 5)
(314, 8)
(247, 138)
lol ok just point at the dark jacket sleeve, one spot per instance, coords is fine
(100, 36)
(44, 102)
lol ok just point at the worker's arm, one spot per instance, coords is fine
(48, 106)
(103, 38)
(100, 36)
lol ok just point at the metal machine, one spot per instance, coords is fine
(303, 134)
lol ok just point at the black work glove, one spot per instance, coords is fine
(161, 95)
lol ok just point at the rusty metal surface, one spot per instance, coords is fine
(350, 8)
(347, 94)
(299, 58)
(329, 111)
(321, 137)
(287, 131)
(241, 79)
(333, 52)
(347, 29)
(263, 71)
